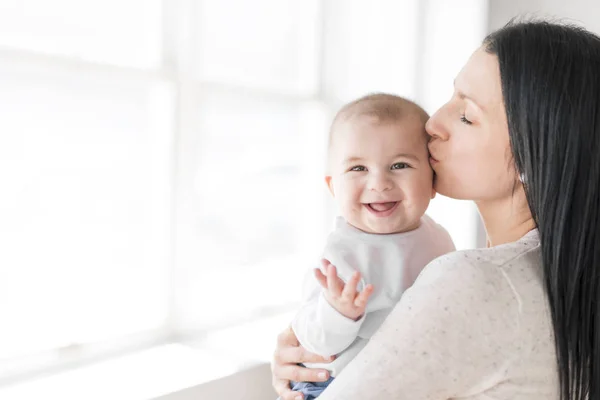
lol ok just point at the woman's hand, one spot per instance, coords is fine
(287, 355)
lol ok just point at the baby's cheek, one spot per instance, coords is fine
(422, 193)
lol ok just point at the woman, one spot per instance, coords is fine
(518, 320)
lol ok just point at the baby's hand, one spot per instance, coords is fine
(343, 296)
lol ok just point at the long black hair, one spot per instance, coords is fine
(550, 77)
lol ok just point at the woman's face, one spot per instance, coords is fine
(470, 150)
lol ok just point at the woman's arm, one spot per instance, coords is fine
(453, 333)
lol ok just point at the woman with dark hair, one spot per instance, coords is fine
(520, 319)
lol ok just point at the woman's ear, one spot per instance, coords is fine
(433, 193)
(329, 183)
(522, 179)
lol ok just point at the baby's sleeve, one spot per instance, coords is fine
(320, 328)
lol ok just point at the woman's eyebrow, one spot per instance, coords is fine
(463, 96)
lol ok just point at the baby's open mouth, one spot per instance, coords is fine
(382, 207)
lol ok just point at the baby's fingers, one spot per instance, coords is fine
(321, 278)
(334, 284)
(363, 297)
(349, 292)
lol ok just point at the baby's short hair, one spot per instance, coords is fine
(382, 107)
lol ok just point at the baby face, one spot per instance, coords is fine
(380, 175)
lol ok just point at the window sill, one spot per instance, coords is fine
(161, 370)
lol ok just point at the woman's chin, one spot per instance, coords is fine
(452, 190)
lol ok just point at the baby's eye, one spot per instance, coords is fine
(400, 165)
(358, 168)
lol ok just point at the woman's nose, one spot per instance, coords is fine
(435, 126)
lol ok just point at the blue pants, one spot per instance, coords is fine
(310, 390)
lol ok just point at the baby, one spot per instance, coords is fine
(379, 175)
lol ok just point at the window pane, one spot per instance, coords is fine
(84, 209)
(253, 207)
(452, 31)
(124, 32)
(371, 46)
(264, 43)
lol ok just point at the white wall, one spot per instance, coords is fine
(585, 12)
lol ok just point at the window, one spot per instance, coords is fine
(161, 162)
(126, 33)
(150, 171)
(85, 217)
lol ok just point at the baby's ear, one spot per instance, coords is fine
(433, 193)
(329, 183)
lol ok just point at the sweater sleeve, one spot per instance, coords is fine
(319, 327)
(453, 333)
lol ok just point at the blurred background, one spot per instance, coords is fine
(161, 175)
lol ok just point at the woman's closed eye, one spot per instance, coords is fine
(464, 120)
